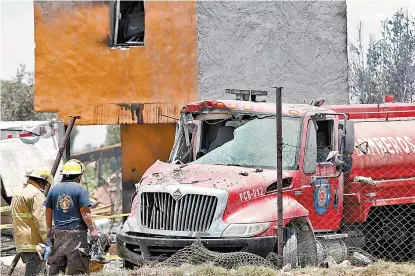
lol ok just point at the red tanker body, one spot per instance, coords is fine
(346, 171)
(384, 149)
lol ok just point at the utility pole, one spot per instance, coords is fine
(279, 174)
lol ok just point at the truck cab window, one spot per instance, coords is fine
(214, 134)
(324, 140)
(127, 23)
(183, 144)
(224, 135)
(252, 144)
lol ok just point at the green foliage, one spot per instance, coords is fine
(72, 137)
(93, 176)
(89, 179)
(113, 164)
(17, 99)
(388, 66)
(113, 135)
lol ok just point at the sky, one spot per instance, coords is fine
(17, 41)
(371, 13)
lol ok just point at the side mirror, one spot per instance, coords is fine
(349, 145)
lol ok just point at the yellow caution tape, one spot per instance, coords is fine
(8, 208)
(113, 257)
(95, 217)
(6, 226)
(5, 209)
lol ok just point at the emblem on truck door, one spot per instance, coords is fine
(177, 195)
(321, 196)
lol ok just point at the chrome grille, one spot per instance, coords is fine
(191, 212)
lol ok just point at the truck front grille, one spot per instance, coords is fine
(160, 211)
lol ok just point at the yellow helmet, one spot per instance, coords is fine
(42, 174)
(73, 167)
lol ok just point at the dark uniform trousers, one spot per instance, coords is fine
(34, 265)
(70, 252)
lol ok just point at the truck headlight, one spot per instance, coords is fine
(245, 229)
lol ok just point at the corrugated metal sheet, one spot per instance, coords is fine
(93, 155)
(18, 156)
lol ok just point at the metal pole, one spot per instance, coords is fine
(63, 146)
(61, 149)
(279, 175)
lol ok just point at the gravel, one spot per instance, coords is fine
(7, 241)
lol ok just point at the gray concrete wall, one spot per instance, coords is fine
(301, 46)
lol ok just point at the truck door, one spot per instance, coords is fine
(322, 190)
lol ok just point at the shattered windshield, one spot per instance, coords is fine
(254, 145)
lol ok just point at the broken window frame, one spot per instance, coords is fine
(115, 16)
(182, 147)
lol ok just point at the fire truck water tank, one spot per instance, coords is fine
(384, 149)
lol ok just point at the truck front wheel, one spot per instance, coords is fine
(300, 247)
(129, 265)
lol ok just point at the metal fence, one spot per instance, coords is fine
(368, 210)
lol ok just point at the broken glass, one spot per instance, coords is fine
(254, 145)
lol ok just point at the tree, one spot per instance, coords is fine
(388, 66)
(113, 164)
(113, 135)
(72, 137)
(17, 99)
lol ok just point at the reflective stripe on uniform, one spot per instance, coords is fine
(26, 247)
(22, 215)
(44, 237)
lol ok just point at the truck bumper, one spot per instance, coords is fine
(135, 248)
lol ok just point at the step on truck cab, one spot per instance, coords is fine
(219, 184)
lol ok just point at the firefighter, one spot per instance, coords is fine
(69, 204)
(29, 222)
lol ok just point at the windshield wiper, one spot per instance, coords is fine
(265, 116)
(236, 165)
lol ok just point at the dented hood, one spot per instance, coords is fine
(252, 182)
(213, 176)
(246, 188)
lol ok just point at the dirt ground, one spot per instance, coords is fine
(378, 269)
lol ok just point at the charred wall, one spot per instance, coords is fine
(78, 73)
(301, 46)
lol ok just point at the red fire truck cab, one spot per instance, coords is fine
(346, 169)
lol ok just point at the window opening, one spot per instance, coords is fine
(324, 140)
(127, 23)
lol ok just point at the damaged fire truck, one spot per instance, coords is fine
(219, 184)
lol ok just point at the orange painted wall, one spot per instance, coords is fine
(76, 73)
(141, 146)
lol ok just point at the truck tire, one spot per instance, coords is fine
(389, 233)
(290, 248)
(128, 265)
(300, 249)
